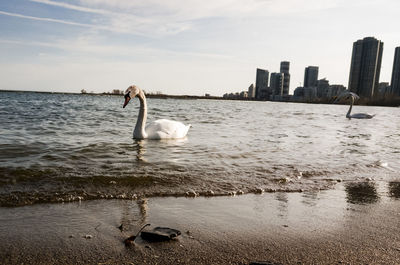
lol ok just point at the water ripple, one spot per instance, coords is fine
(56, 147)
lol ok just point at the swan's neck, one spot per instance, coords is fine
(351, 106)
(139, 132)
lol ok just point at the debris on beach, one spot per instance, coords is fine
(210, 193)
(259, 190)
(131, 240)
(88, 236)
(160, 234)
(300, 175)
(189, 234)
(157, 234)
(285, 180)
(191, 193)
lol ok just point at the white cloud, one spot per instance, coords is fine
(73, 7)
(197, 9)
(91, 45)
(50, 20)
(121, 21)
(156, 18)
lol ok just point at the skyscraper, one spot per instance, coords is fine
(286, 76)
(276, 84)
(395, 83)
(262, 84)
(322, 88)
(311, 76)
(365, 66)
(251, 91)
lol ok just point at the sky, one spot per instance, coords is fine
(189, 47)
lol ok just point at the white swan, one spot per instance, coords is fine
(353, 96)
(159, 129)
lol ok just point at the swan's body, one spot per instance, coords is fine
(159, 129)
(164, 129)
(353, 96)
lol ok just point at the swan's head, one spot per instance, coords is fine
(347, 95)
(130, 93)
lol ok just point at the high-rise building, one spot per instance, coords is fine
(286, 76)
(335, 90)
(251, 91)
(305, 93)
(365, 66)
(322, 88)
(262, 91)
(395, 83)
(276, 84)
(310, 76)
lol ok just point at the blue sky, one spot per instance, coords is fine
(184, 46)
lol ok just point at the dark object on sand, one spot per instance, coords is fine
(130, 240)
(160, 234)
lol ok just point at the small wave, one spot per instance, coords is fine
(379, 163)
(81, 147)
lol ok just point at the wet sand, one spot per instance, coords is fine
(356, 223)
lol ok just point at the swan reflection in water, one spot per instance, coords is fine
(140, 148)
(133, 214)
(157, 152)
(361, 193)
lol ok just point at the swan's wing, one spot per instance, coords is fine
(166, 129)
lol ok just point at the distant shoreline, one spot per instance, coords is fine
(378, 103)
(111, 94)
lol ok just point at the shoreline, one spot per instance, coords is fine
(342, 225)
(395, 103)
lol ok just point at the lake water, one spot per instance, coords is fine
(63, 147)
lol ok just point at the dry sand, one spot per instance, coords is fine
(353, 224)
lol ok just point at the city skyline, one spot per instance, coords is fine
(363, 80)
(190, 48)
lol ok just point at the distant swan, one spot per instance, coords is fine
(353, 96)
(159, 129)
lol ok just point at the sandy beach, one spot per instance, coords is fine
(347, 225)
